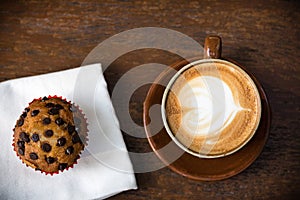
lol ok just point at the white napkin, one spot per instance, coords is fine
(95, 175)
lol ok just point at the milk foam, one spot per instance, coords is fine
(208, 106)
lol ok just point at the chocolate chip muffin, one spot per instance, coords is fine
(45, 135)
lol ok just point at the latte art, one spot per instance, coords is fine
(211, 108)
(207, 106)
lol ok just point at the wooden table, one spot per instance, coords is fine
(37, 38)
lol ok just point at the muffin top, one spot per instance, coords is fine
(45, 136)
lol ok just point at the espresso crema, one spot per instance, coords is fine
(212, 108)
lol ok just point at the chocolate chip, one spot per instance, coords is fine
(46, 147)
(59, 121)
(21, 151)
(46, 121)
(48, 133)
(49, 105)
(62, 166)
(35, 113)
(33, 156)
(35, 137)
(58, 106)
(50, 160)
(64, 101)
(27, 109)
(20, 122)
(61, 142)
(44, 98)
(53, 111)
(71, 129)
(24, 137)
(21, 144)
(24, 115)
(75, 138)
(69, 150)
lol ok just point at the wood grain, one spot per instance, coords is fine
(38, 37)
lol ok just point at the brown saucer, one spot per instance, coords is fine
(191, 166)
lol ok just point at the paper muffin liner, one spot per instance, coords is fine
(81, 126)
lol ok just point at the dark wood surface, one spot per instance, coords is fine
(40, 37)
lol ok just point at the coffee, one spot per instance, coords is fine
(211, 108)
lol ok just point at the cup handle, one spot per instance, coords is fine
(212, 47)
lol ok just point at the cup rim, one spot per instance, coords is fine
(170, 84)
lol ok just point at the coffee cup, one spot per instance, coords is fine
(211, 107)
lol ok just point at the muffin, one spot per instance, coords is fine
(46, 136)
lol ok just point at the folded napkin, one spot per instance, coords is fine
(95, 176)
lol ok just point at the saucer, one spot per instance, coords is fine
(204, 169)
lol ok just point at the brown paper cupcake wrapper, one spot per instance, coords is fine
(81, 124)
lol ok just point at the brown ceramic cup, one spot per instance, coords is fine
(211, 107)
